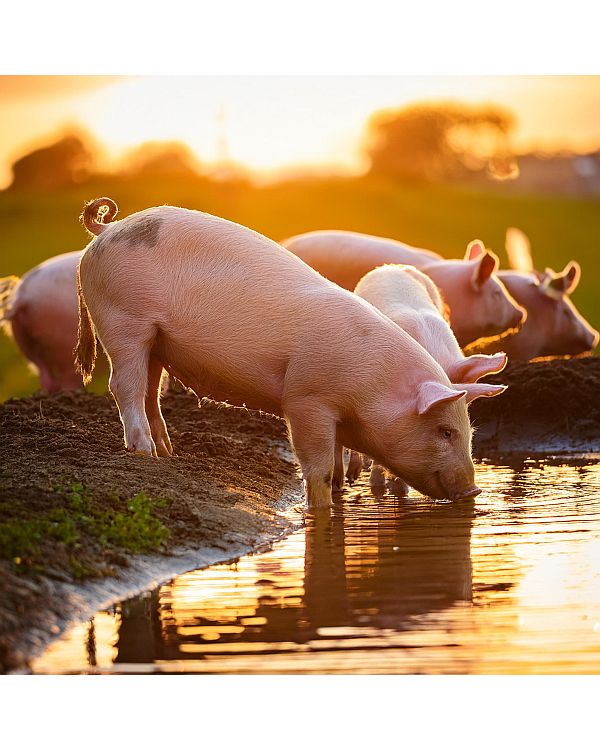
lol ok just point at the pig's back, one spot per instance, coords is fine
(50, 288)
(345, 257)
(229, 299)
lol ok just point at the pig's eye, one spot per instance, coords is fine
(446, 433)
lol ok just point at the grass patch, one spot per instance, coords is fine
(134, 528)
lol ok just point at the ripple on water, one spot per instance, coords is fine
(506, 583)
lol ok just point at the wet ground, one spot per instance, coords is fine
(507, 583)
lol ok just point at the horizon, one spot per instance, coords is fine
(270, 126)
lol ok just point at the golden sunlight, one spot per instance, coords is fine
(270, 123)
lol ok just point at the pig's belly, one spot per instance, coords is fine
(256, 389)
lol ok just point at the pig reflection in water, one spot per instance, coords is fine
(235, 316)
(365, 567)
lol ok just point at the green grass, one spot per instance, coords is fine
(134, 529)
(36, 225)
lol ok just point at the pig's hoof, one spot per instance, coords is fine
(377, 477)
(163, 450)
(398, 487)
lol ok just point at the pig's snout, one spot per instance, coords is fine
(470, 493)
(519, 317)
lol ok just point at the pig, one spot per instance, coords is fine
(411, 300)
(480, 305)
(40, 310)
(554, 327)
(236, 317)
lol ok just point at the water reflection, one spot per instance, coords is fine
(508, 582)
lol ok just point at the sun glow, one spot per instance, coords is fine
(270, 123)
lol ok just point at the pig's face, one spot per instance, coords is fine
(554, 327)
(429, 446)
(480, 305)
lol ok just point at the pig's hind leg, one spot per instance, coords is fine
(128, 344)
(312, 431)
(158, 428)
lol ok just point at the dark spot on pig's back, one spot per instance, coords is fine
(142, 231)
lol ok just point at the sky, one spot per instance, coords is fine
(270, 124)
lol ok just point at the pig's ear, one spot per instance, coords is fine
(479, 390)
(564, 282)
(485, 266)
(470, 369)
(432, 394)
(475, 248)
(571, 275)
(518, 250)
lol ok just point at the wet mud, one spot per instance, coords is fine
(226, 490)
(550, 407)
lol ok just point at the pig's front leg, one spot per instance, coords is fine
(377, 478)
(355, 466)
(338, 468)
(312, 432)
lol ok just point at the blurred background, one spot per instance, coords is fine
(432, 161)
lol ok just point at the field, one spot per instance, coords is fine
(35, 225)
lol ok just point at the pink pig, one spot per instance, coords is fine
(553, 327)
(235, 317)
(480, 306)
(40, 310)
(411, 300)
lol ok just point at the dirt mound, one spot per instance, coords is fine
(72, 498)
(549, 407)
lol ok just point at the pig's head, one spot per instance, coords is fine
(554, 327)
(428, 442)
(480, 305)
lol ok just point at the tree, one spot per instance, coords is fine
(66, 162)
(436, 142)
(161, 159)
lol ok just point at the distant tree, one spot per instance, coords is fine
(66, 162)
(436, 142)
(162, 158)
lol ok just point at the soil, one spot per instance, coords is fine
(226, 488)
(550, 407)
(224, 492)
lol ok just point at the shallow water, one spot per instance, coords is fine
(507, 583)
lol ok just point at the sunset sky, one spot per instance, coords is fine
(270, 123)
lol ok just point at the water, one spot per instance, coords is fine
(507, 583)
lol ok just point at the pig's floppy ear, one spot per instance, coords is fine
(518, 250)
(485, 266)
(431, 394)
(475, 248)
(470, 369)
(479, 390)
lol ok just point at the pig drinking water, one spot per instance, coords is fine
(411, 300)
(480, 306)
(40, 310)
(233, 315)
(553, 327)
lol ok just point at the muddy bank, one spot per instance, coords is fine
(81, 519)
(550, 407)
